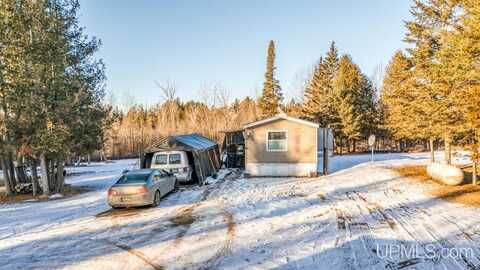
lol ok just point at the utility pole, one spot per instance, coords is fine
(325, 151)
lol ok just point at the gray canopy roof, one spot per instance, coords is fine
(189, 142)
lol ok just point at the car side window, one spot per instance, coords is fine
(164, 173)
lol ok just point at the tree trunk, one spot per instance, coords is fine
(448, 150)
(35, 183)
(44, 177)
(20, 173)
(354, 145)
(60, 177)
(11, 171)
(51, 175)
(432, 150)
(340, 145)
(6, 177)
(474, 172)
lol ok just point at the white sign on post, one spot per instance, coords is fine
(371, 143)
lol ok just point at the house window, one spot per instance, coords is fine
(277, 140)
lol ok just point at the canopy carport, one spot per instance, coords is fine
(203, 153)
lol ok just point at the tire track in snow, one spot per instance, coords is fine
(428, 223)
(343, 239)
(115, 227)
(137, 253)
(386, 217)
(226, 249)
(367, 234)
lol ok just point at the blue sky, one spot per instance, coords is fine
(204, 42)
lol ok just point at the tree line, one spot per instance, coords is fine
(52, 90)
(338, 95)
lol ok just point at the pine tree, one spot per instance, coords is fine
(293, 108)
(319, 98)
(316, 97)
(433, 94)
(348, 89)
(331, 65)
(458, 68)
(368, 108)
(271, 98)
(398, 98)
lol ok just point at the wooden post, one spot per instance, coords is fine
(325, 151)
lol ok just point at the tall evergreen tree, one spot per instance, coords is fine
(348, 89)
(433, 94)
(398, 97)
(272, 97)
(331, 65)
(458, 68)
(316, 97)
(319, 98)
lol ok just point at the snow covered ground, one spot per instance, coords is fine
(362, 216)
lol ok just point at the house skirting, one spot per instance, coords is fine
(281, 169)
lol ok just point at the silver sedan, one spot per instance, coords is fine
(141, 187)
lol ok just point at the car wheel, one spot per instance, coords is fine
(156, 199)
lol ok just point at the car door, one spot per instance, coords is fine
(163, 183)
(167, 180)
(156, 183)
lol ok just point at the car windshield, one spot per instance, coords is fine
(133, 178)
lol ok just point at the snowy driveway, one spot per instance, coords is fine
(356, 218)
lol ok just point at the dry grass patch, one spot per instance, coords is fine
(418, 173)
(466, 194)
(69, 191)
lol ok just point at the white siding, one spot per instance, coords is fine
(281, 169)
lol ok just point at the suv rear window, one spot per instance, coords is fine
(174, 159)
(133, 178)
(161, 159)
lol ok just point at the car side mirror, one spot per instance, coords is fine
(125, 171)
